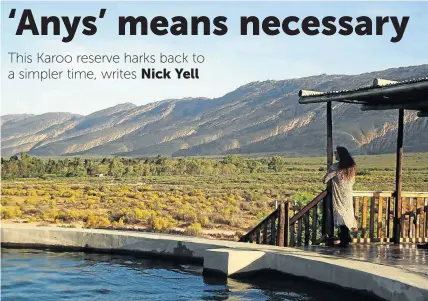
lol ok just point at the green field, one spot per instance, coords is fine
(206, 196)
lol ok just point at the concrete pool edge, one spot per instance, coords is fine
(231, 258)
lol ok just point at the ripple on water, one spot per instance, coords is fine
(44, 275)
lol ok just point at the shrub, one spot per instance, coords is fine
(194, 230)
(161, 224)
(66, 193)
(10, 212)
(68, 216)
(96, 221)
(205, 221)
(50, 215)
(364, 172)
(30, 201)
(31, 192)
(5, 200)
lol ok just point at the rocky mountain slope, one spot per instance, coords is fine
(260, 117)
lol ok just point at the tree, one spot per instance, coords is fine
(116, 167)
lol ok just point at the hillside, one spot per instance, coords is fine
(256, 118)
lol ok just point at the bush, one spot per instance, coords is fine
(205, 221)
(194, 230)
(68, 216)
(5, 200)
(10, 212)
(96, 221)
(161, 224)
(364, 172)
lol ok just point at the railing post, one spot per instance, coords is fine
(314, 224)
(281, 225)
(287, 224)
(273, 228)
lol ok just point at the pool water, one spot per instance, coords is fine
(29, 274)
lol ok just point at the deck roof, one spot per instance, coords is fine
(382, 95)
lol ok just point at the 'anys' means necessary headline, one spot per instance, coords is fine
(68, 26)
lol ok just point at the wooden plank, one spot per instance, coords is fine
(308, 207)
(267, 218)
(293, 228)
(281, 224)
(414, 194)
(307, 234)
(287, 224)
(421, 223)
(292, 235)
(384, 194)
(299, 232)
(273, 222)
(411, 226)
(426, 221)
(357, 210)
(364, 221)
(258, 236)
(265, 232)
(314, 224)
(418, 222)
(388, 217)
(380, 232)
(403, 224)
(372, 217)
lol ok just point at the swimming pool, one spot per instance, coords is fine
(29, 274)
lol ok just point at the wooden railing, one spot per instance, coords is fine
(374, 211)
(280, 230)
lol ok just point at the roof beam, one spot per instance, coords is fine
(309, 93)
(365, 94)
(407, 106)
(380, 82)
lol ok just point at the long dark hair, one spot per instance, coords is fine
(346, 163)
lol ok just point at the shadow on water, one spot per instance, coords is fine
(29, 274)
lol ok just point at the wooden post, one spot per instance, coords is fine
(287, 224)
(314, 224)
(388, 218)
(328, 226)
(273, 229)
(329, 136)
(372, 217)
(380, 232)
(307, 234)
(281, 225)
(265, 232)
(398, 177)
(258, 236)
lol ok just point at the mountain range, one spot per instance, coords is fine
(259, 117)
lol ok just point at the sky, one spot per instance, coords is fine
(231, 60)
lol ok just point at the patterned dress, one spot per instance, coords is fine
(343, 208)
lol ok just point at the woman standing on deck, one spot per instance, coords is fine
(342, 175)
